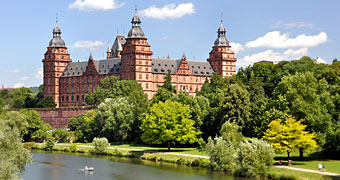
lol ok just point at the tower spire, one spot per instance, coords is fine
(221, 18)
(56, 19)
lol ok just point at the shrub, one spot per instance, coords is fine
(49, 143)
(73, 148)
(221, 153)
(100, 145)
(253, 159)
(30, 145)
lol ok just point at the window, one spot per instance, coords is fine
(147, 85)
(140, 76)
(72, 98)
(66, 98)
(77, 97)
(62, 98)
(147, 76)
(82, 97)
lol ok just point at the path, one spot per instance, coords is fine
(309, 170)
(189, 155)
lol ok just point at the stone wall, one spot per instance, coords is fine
(59, 117)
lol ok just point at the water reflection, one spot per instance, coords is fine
(61, 166)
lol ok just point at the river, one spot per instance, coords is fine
(62, 166)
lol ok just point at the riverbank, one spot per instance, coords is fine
(189, 157)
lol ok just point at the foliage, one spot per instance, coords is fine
(165, 91)
(221, 153)
(100, 145)
(50, 142)
(61, 135)
(84, 126)
(253, 159)
(46, 102)
(36, 129)
(231, 133)
(288, 135)
(169, 122)
(13, 155)
(304, 97)
(115, 118)
(73, 148)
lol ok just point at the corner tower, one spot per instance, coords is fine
(136, 57)
(55, 60)
(221, 57)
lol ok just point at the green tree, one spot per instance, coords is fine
(231, 133)
(253, 159)
(116, 118)
(34, 124)
(100, 145)
(288, 135)
(84, 126)
(165, 91)
(221, 153)
(46, 102)
(13, 156)
(60, 135)
(169, 122)
(50, 142)
(304, 97)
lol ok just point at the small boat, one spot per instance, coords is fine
(88, 168)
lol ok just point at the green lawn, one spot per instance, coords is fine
(299, 174)
(192, 151)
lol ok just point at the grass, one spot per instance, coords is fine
(299, 175)
(191, 151)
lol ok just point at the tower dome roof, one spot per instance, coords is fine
(136, 31)
(221, 37)
(56, 41)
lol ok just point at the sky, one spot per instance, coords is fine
(257, 30)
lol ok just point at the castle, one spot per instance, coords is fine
(130, 58)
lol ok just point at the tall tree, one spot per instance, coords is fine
(13, 156)
(288, 135)
(169, 123)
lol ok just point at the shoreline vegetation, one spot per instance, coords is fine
(192, 157)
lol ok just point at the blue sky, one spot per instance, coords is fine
(257, 30)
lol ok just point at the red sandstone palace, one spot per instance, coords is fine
(130, 58)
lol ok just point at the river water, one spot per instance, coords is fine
(62, 166)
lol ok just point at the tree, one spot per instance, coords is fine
(165, 91)
(100, 145)
(116, 118)
(60, 135)
(169, 123)
(304, 97)
(231, 133)
(34, 124)
(50, 142)
(46, 102)
(13, 156)
(253, 159)
(235, 107)
(288, 135)
(221, 153)
(84, 126)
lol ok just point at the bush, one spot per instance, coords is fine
(30, 145)
(221, 153)
(49, 143)
(100, 145)
(73, 148)
(253, 159)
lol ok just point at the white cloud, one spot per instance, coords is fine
(87, 44)
(270, 55)
(320, 61)
(236, 47)
(274, 39)
(18, 85)
(169, 11)
(15, 71)
(292, 25)
(95, 5)
(39, 74)
(25, 78)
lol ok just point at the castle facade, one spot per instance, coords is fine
(130, 58)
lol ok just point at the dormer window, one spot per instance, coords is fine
(205, 67)
(156, 70)
(199, 67)
(192, 66)
(159, 64)
(162, 70)
(166, 65)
